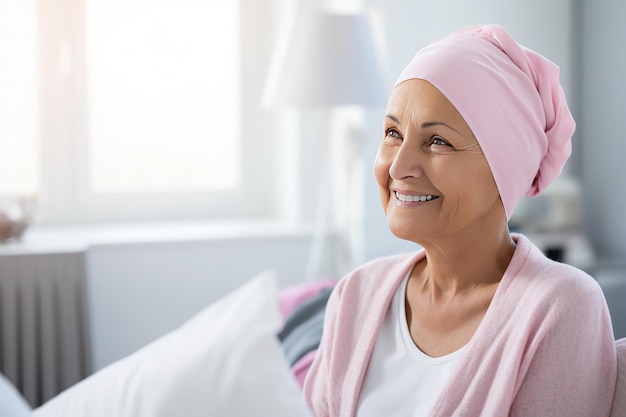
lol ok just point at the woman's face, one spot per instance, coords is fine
(434, 179)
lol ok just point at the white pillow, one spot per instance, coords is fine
(224, 362)
(12, 404)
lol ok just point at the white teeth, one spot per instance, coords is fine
(404, 197)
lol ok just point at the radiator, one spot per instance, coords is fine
(44, 345)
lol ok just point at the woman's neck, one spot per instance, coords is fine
(465, 260)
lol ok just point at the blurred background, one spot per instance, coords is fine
(154, 155)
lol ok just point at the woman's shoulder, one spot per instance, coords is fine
(554, 280)
(537, 262)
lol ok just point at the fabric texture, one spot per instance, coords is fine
(618, 408)
(301, 368)
(291, 297)
(512, 101)
(289, 301)
(225, 361)
(545, 347)
(302, 331)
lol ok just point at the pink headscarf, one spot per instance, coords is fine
(511, 99)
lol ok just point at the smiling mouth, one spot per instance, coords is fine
(414, 198)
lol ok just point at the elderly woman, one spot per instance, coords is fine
(479, 322)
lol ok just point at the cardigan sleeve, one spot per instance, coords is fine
(571, 358)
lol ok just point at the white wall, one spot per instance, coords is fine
(603, 63)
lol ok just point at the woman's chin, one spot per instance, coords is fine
(405, 230)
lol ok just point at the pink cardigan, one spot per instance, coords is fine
(545, 347)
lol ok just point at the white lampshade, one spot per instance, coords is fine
(325, 59)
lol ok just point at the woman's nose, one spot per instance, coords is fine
(406, 163)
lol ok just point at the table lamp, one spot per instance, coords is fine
(325, 60)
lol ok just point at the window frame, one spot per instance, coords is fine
(64, 191)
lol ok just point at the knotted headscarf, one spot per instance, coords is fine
(511, 99)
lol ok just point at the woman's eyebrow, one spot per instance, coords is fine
(425, 125)
(435, 123)
(392, 117)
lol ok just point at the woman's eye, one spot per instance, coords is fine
(393, 133)
(438, 141)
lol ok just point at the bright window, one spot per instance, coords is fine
(162, 88)
(116, 110)
(19, 142)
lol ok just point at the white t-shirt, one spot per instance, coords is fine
(401, 380)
